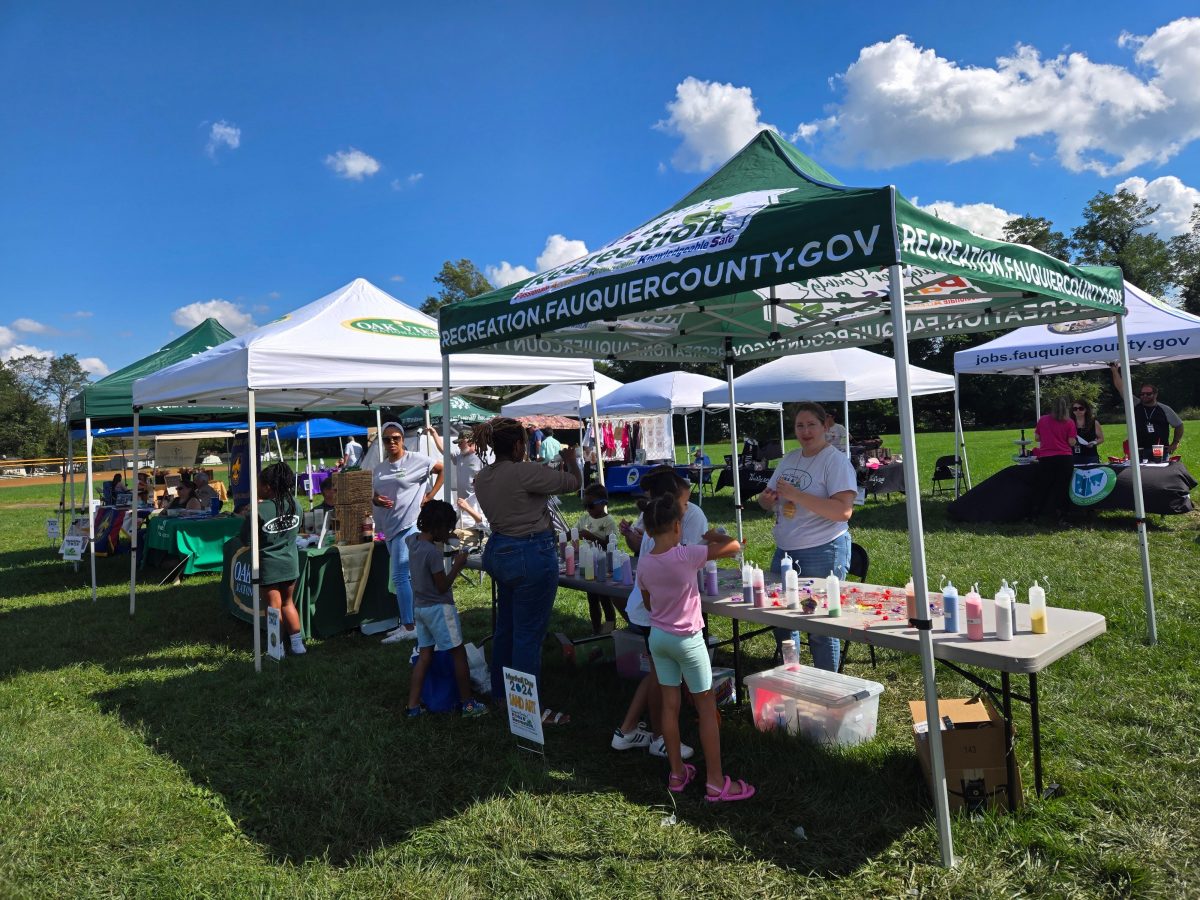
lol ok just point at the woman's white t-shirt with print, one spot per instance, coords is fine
(823, 475)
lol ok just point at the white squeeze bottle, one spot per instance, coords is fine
(748, 584)
(833, 593)
(569, 559)
(791, 589)
(1012, 603)
(586, 562)
(1037, 608)
(1004, 631)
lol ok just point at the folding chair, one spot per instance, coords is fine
(945, 469)
(860, 562)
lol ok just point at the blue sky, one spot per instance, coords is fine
(162, 161)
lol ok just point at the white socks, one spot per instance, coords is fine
(297, 647)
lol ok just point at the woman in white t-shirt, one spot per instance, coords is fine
(812, 495)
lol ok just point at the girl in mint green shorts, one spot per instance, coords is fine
(667, 578)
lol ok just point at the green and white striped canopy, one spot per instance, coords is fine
(770, 256)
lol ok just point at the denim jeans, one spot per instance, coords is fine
(817, 562)
(525, 572)
(401, 578)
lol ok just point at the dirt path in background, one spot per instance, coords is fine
(39, 481)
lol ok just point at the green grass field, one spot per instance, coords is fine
(143, 757)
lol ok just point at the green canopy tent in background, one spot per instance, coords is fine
(109, 401)
(772, 256)
(462, 412)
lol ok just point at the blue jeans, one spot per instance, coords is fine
(401, 579)
(817, 562)
(525, 572)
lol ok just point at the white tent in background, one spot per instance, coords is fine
(357, 346)
(830, 375)
(560, 400)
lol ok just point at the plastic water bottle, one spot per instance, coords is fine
(974, 611)
(833, 593)
(1037, 609)
(950, 602)
(710, 578)
(1004, 630)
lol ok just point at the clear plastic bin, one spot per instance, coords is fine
(631, 654)
(824, 706)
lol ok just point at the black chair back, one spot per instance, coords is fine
(860, 562)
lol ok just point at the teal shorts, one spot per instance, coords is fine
(681, 657)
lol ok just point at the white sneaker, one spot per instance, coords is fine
(297, 648)
(638, 739)
(396, 635)
(658, 747)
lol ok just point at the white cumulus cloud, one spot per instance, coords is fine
(713, 120)
(31, 326)
(352, 164)
(6, 336)
(222, 135)
(901, 103)
(232, 316)
(558, 251)
(10, 352)
(94, 365)
(1174, 199)
(984, 219)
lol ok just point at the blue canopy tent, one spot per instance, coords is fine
(314, 428)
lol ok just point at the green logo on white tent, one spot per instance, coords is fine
(391, 328)
(1092, 485)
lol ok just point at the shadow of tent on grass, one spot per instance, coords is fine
(314, 759)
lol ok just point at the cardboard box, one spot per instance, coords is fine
(973, 749)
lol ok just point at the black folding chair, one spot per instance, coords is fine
(860, 562)
(945, 469)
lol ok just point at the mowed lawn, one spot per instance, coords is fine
(143, 757)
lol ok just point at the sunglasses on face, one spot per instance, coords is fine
(1079, 408)
(392, 439)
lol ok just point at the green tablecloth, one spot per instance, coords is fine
(320, 592)
(201, 542)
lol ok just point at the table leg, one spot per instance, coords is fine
(1010, 750)
(1052, 789)
(737, 665)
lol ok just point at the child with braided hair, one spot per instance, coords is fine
(278, 561)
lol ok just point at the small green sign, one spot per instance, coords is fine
(1090, 486)
(391, 328)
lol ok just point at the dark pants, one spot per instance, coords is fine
(601, 604)
(525, 570)
(1054, 475)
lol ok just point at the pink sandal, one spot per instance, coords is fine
(677, 784)
(729, 792)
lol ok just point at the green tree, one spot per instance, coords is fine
(51, 383)
(25, 425)
(1185, 255)
(457, 281)
(1115, 232)
(1035, 231)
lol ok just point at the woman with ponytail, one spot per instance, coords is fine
(521, 555)
(278, 561)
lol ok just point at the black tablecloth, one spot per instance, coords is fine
(752, 480)
(886, 479)
(1008, 495)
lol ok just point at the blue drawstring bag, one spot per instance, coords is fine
(439, 692)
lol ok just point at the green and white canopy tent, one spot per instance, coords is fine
(771, 256)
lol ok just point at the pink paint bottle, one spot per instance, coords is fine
(973, 607)
(569, 554)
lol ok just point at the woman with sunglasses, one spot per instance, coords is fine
(398, 486)
(1088, 433)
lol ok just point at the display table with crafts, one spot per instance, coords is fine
(1009, 494)
(877, 616)
(334, 593)
(887, 478)
(198, 539)
(753, 480)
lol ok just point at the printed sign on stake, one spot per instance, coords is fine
(274, 645)
(72, 547)
(524, 711)
(52, 529)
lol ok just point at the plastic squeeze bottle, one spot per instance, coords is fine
(785, 566)
(600, 565)
(791, 589)
(585, 559)
(760, 588)
(1037, 609)
(950, 602)
(610, 550)
(569, 558)
(973, 607)
(710, 578)
(748, 583)
(1004, 605)
(833, 593)
(575, 539)
(910, 600)
(1012, 603)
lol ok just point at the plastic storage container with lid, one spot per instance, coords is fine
(824, 706)
(632, 655)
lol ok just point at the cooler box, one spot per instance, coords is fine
(631, 654)
(824, 706)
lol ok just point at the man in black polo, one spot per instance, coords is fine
(1152, 419)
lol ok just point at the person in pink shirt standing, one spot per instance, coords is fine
(667, 578)
(1056, 435)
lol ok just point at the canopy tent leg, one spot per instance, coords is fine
(960, 445)
(916, 543)
(296, 467)
(91, 492)
(255, 573)
(133, 516)
(423, 444)
(733, 448)
(446, 463)
(68, 516)
(279, 447)
(1139, 503)
(596, 433)
(1037, 395)
(582, 462)
(782, 433)
(703, 415)
(687, 441)
(846, 424)
(308, 467)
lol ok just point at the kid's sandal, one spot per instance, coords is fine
(677, 784)
(729, 792)
(550, 717)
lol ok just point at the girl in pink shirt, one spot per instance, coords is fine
(667, 578)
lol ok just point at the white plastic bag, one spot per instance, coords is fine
(481, 675)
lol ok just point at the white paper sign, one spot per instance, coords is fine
(72, 547)
(274, 645)
(524, 711)
(52, 529)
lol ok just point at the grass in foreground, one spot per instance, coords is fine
(143, 757)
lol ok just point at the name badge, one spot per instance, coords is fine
(1149, 428)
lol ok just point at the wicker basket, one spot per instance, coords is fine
(353, 502)
(353, 487)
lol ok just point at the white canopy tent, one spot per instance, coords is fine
(355, 346)
(560, 400)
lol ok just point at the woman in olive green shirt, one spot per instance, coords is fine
(278, 559)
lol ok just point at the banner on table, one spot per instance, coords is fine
(240, 470)
(1090, 486)
(524, 711)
